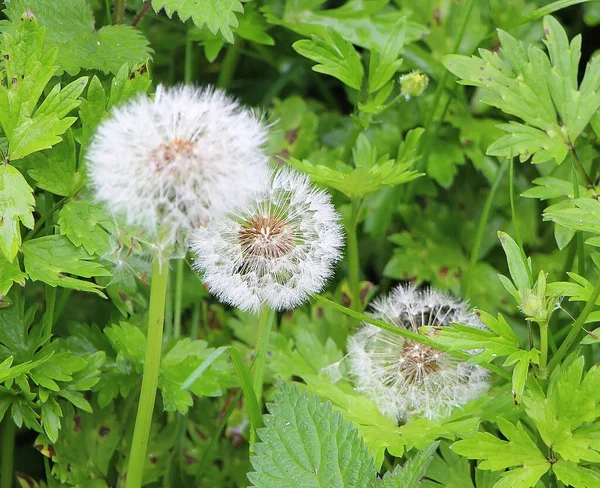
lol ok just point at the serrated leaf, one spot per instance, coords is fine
(548, 187)
(521, 360)
(80, 45)
(306, 443)
(16, 207)
(576, 476)
(87, 225)
(10, 273)
(335, 57)
(217, 15)
(519, 451)
(383, 66)
(409, 475)
(584, 216)
(48, 258)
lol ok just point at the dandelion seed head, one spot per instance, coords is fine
(172, 163)
(405, 377)
(275, 251)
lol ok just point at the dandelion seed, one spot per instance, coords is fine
(276, 251)
(404, 377)
(171, 164)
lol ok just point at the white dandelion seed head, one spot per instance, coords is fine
(404, 377)
(276, 251)
(172, 163)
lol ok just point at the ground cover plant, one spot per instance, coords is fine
(300, 243)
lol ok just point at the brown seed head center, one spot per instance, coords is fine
(418, 360)
(165, 154)
(266, 236)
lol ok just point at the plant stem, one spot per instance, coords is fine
(119, 12)
(543, 344)
(229, 65)
(409, 335)
(143, 11)
(196, 314)
(8, 452)
(578, 235)
(575, 329)
(178, 298)
(351, 141)
(48, 321)
(188, 73)
(265, 323)
(353, 258)
(143, 421)
(481, 227)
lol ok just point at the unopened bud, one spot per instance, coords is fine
(413, 84)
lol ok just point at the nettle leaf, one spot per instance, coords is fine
(336, 57)
(541, 91)
(562, 415)
(48, 258)
(80, 45)
(28, 69)
(306, 443)
(16, 207)
(10, 273)
(217, 15)
(409, 475)
(519, 451)
(87, 225)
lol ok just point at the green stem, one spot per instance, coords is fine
(188, 74)
(481, 227)
(9, 430)
(578, 235)
(119, 12)
(143, 421)
(169, 307)
(409, 335)
(575, 329)
(178, 298)
(351, 141)
(353, 257)
(229, 65)
(48, 320)
(265, 324)
(196, 314)
(513, 212)
(107, 8)
(543, 344)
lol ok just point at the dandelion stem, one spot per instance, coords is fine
(265, 323)
(178, 298)
(143, 421)
(229, 65)
(408, 334)
(481, 227)
(353, 258)
(188, 74)
(575, 329)
(8, 452)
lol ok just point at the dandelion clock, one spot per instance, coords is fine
(404, 377)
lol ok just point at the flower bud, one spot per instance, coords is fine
(413, 84)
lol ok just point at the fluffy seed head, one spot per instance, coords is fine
(404, 377)
(172, 163)
(281, 247)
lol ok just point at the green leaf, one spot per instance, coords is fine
(48, 258)
(28, 69)
(583, 216)
(519, 267)
(87, 225)
(16, 207)
(518, 451)
(561, 413)
(80, 45)
(522, 360)
(246, 384)
(449, 470)
(383, 67)
(548, 187)
(409, 475)
(335, 57)
(10, 273)
(576, 476)
(217, 15)
(306, 443)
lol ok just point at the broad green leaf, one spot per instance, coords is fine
(335, 57)
(52, 259)
(519, 451)
(217, 15)
(576, 476)
(518, 266)
(28, 69)
(16, 207)
(87, 225)
(561, 413)
(409, 475)
(10, 273)
(80, 45)
(306, 443)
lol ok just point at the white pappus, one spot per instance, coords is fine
(276, 251)
(404, 377)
